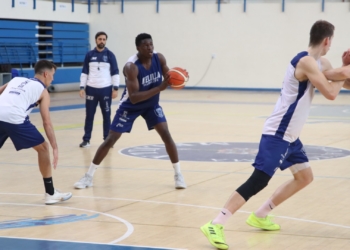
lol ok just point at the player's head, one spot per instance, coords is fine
(101, 39)
(144, 45)
(321, 33)
(44, 71)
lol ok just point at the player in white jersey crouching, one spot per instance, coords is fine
(280, 146)
(17, 99)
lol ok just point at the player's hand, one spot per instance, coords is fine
(114, 94)
(55, 158)
(346, 58)
(165, 83)
(82, 93)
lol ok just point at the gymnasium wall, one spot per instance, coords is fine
(251, 49)
(44, 11)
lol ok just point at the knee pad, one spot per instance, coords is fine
(256, 182)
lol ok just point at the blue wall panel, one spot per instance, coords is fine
(69, 34)
(71, 26)
(16, 33)
(21, 25)
(62, 75)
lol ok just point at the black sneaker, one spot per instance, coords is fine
(84, 144)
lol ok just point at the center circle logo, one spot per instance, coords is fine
(224, 152)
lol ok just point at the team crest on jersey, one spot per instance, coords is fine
(105, 58)
(159, 112)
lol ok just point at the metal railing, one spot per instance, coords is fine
(192, 2)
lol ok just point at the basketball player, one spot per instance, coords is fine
(99, 81)
(280, 146)
(17, 99)
(143, 78)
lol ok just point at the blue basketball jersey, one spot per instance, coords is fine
(148, 79)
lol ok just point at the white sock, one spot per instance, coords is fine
(265, 209)
(222, 217)
(92, 169)
(176, 167)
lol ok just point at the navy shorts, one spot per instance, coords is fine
(275, 153)
(23, 135)
(124, 118)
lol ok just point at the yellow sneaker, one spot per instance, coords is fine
(263, 223)
(215, 235)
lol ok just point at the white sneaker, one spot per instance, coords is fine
(179, 181)
(84, 182)
(56, 197)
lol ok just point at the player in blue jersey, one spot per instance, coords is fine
(280, 146)
(144, 74)
(99, 83)
(17, 100)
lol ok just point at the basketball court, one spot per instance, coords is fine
(133, 203)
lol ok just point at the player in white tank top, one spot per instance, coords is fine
(293, 106)
(280, 146)
(17, 99)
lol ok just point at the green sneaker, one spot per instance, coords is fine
(263, 223)
(215, 235)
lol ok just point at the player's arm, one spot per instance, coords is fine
(2, 88)
(341, 73)
(132, 83)
(163, 64)
(347, 84)
(45, 115)
(308, 67)
(84, 76)
(114, 74)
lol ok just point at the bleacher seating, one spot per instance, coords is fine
(23, 43)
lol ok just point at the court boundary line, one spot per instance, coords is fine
(95, 243)
(129, 226)
(185, 205)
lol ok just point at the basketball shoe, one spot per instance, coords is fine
(84, 182)
(84, 144)
(179, 181)
(56, 197)
(263, 223)
(215, 235)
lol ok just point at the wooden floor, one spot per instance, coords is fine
(133, 201)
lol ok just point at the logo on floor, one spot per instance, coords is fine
(52, 220)
(224, 152)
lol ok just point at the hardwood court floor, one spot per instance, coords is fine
(133, 201)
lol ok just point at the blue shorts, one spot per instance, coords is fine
(275, 153)
(124, 118)
(23, 135)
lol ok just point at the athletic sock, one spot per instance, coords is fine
(92, 169)
(49, 186)
(176, 167)
(222, 217)
(265, 209)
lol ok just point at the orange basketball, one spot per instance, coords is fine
(177, 77)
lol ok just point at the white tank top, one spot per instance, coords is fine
(293, 106)
(19, 98)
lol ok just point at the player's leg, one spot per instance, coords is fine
(105, 99)
(267, 160)
(297, 162)
(24, 136)
(155, 119)
(122, 123)
(90, 109)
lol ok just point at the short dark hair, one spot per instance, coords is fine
(43, 65)
(319, 31)
(141, 37)
(100, 33)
